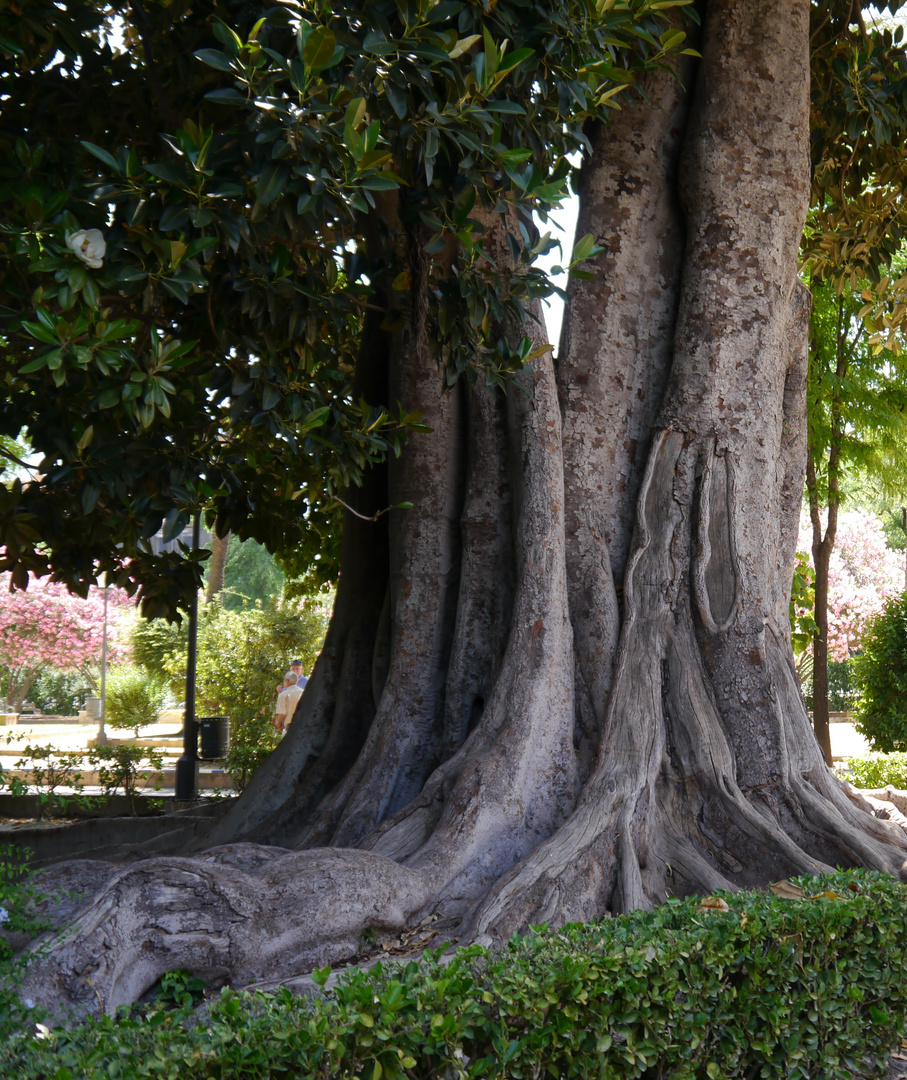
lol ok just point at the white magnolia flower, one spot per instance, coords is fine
(4, 915)
(89, 245)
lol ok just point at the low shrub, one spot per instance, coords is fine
(133, 699)
(842, 690)
(250, 744)
(48, 770)
(124, 766)
(18, 903)
(879, 770)
(811, 986)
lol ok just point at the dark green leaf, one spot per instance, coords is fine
(227, 96)
(214, 59)
(271, 183)
(501, 105)
(397, 98)
(102, 155)
(319, 49)
(164, 170)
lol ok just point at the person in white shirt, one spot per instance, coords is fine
(286, 702)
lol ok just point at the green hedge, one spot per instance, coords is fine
(775, 988)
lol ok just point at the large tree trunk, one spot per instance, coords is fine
(562, 684)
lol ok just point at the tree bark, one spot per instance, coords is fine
(562, 684)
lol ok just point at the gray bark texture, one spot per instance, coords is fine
(562, 684)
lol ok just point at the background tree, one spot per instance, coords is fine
(863, 573)
(884, 500)
(852, 240)
(242, 656)
(49, 628)
(895, 521)
(252, 575)
(857, 407)
(558, 678)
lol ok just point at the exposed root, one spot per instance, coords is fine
(282, 916)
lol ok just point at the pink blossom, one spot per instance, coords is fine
(47, 626)
(862, 574)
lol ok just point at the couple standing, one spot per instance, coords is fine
(293, 684)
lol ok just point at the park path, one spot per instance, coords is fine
(166, 737)
(69, 735)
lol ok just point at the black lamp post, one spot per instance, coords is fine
(187, 765)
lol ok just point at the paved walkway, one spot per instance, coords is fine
(846, 741)
(71, 735)
(165, 737)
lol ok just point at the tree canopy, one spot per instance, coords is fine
(188, 277)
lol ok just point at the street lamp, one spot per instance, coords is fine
(187, 766)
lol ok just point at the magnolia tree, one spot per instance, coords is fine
(49, 627)
(863, 573)
(558, 680)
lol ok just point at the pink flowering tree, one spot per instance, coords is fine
(862, 573)
(47, 626)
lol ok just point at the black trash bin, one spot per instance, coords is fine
(215, 737)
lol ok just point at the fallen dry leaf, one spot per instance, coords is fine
(787, 891)
(713, 903)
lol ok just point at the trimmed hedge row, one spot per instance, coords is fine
(810, 987)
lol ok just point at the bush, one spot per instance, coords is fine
(59, 693)
(879, 770)
(242, 655)
(880, 672)
(842, 690)
(49, 770)
(19, 903)
(808, 988)
(134, 698)
(124, 766)
(250, 744)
